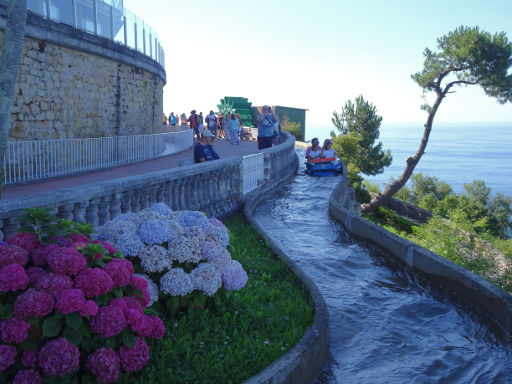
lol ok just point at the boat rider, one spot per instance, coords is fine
(314, 151)
(327, 151)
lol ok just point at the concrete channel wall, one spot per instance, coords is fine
(478, 291)
(307, 358)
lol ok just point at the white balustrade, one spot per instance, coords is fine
(28, 161)
(253, 171)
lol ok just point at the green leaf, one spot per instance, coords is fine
(52, 326)
(74, 320)
(85, 330)
(118, 292)
(99, 263)
(72, 335)
(172, 304)
(128, 338)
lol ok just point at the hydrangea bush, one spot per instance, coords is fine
(185, 252)
(70, 306)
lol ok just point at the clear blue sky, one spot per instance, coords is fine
(316, 54)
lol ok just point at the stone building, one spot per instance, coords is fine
(75, 84)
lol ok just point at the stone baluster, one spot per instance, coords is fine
(103, 210)
(182, 205)
(197, 197)
(90, 211)
(167, 188)
(10, 227)
(160, 193)
(135, 201)
(144, 197)
(152, 194)
(125, 201)
(64, 211)
(218, 192)
(115, 205)
(79, 211)
(175, 193)
(210, 191)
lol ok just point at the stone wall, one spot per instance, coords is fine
(68, 90)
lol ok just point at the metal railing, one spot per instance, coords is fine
(105, 18)
(28, 161)
(253, 168)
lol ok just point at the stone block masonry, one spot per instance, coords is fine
(82, 87)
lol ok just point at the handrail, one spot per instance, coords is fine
(104, 18)
(29, 161)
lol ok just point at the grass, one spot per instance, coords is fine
(254, 327)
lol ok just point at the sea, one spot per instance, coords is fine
(456, 153)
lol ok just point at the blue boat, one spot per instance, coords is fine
(324, 167)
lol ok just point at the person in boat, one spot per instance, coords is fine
(327, 151)
(314, 151)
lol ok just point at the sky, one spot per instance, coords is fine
(316, 54)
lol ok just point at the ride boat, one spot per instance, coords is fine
(329, 166)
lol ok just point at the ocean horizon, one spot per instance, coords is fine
(457, 153)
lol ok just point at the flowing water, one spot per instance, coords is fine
(387, 325)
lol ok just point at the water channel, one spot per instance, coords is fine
(387, 325)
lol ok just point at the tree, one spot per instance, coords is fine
(467, 56)
(359, 125)
(291, 126)
(14, 36)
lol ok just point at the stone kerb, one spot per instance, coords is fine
(478, 291)
(307, 358)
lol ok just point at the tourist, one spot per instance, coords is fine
(193, 123)
(314, 151)
(234, 128)
(327, 151)
(164, 119)
(277, 129)
(225, 127)
(200, 125)
(265, 128)
(221, 131)
(203, 149)
(211, 123)
(172, 120)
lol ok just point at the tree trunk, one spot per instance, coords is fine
(383, 198)
(12, 45)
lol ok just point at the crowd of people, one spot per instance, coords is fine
(230, 126)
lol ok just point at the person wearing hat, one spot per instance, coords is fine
(193, 123)
(203, 150)
(314, 151)
(327, 151)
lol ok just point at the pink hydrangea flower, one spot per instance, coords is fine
(27, 241)
(119, 303)
(79, 245)
(27, 376)
(94, 282)
(11, 254)
(33, 303)
(66, 261)
(138, 283)
(34, 274)
(109, 247)
(53, 283)
(13, 278)
(153, 327)
(78, 237)
(39, 255)
(145, 299)
(14, 330)
(69, 301)
(109, 321)
(58, 357)
(90, 308)
(133, 303)
(119, 272)
(104, 364)
(136, 320)
(7, 356)
(30, 359)
(136, 358)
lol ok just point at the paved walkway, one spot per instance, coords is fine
(223, 148)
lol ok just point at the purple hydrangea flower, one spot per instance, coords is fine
(113, 230)
(220, 234)
(234, 276)
(161, 208)
(176, 282)
(94, 282)
(154, 259)
(104, 364)
(90, 308)
(206, 278)
(33, 303)
(69, 301)
(109, 321)
(216, 254)
(128, 244)
(155, 231)
(151, 287)
(136, 358)
(10, 254)
(66, 261)
(39, 255)
(27, 241)
(14, 330)
(58, 357)
(7, 355)
(27, 376)
(53, 283)
(194, 219)
(13, 278)
(120, 271)
(30, 359)
(34, 274)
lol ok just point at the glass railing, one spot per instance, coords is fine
(105, 18)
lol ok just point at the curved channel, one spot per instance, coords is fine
(387, 324)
